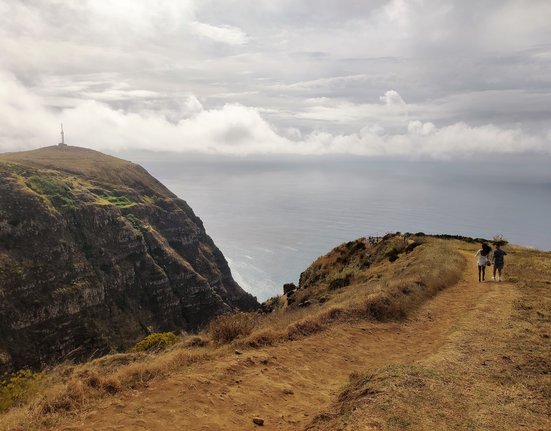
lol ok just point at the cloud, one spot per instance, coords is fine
(421, 129)
(392, 99)
(392, 111)
(410, 78)
(398, 11)
(24, 118)
(224, 34)
(237, 130)
(324, 83)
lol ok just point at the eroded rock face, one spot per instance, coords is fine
(89, 266)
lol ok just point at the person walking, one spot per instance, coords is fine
(483, 256)
(498, 259)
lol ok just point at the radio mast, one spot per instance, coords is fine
(62, 143)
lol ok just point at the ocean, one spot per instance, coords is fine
(272, 216)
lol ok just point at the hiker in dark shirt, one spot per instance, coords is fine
(498, 261)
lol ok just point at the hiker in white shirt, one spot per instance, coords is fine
(483, 260)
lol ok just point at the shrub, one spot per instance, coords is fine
(303, 328)
(136, 222)
(18, 388)
(339, 283)
(274, 303)
(412, 246)
(393, 254)
(197, 342)
(228, 327)
(263, 338)
(332, 314)
(155, 342)
(70, 398)
(378, 306)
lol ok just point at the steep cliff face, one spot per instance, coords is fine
(94, 254)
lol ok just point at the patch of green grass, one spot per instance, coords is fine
(18, 387)
(136, 222)
(151, 200)
(155, 342)
(13, 167)
(119, 201)
(56, 191)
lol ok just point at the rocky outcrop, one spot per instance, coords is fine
(289, 287)
(95, 254)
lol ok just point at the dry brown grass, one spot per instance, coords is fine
(410, 280)
(229, 327)
(66, 389)
(304, 328)
(388, 291)
(494, 374)
(274, 327)
(393, 291)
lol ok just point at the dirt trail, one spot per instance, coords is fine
(288, 384)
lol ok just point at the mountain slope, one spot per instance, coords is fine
(94, 254)
(475, 356)
(83, 162)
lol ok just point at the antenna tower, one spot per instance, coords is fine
(62, 143)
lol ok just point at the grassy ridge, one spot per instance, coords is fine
(384, 291)
(488, 377)
(87, 163)
(387, 290)
(62, 191)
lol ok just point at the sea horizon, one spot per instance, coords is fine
(272, 217)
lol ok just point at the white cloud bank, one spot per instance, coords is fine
(235, 129)
(224, 34)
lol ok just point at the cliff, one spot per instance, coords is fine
(94, 254)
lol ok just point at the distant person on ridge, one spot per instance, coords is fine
(498, 261)
(483, 255)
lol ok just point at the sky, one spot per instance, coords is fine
(418, 79)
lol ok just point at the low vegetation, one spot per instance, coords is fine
(378, 288)
(56, 191)
(65, 192)
(381, 291)
(136, 223)
(494, 380)
(67, 388)
(156, 342)
(119, 201)
(18, 388)
(83, 162)
(229, 327)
